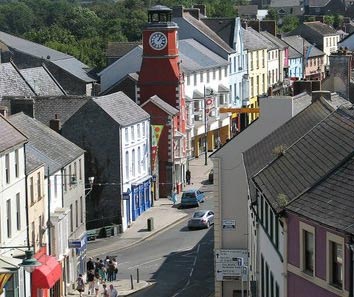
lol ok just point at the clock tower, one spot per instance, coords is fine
(160, 76)
(159, 73)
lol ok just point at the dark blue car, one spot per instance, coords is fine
(192, 197)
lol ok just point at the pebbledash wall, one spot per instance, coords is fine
(298, 282)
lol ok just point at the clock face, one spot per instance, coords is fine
(158, 40)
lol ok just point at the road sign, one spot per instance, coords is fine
(229, 224)
(229, 264)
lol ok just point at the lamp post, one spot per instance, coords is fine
(206, 96)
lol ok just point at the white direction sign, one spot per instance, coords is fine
(229, 264)
(229, 224)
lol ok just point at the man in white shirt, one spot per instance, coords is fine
(112, 291)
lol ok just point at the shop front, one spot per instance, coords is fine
(141, 197)
(46, 278)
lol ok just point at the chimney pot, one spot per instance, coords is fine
(55, 124)
(4, 111)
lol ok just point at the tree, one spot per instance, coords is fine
(272, 15)
(290, 23)
(16, 18)
(328, 19)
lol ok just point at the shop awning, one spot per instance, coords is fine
(46, 275)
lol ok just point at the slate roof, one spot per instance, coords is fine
(203, 28)
(42, 82)
(223, 27)
(331, 201)
(12, 83)
(32, 162)
(284, 3)
(247, 10)
(310, 159)
(321, 28)
(46, 107)
(318, 3)
(252, 40)
(50, 144)
(299, 43)
(196, 57)
(280, 43)
(66, 62)
(121, 108)
(270, 44)
(259, 155)
(162, 105)
(119, 49)
(300, 102)
(293, 53)
(10, 136)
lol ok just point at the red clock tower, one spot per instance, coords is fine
(160, 75)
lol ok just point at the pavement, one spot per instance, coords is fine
(164, 215)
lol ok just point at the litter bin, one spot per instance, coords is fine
(150, 224)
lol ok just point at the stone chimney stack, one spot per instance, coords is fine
(202, 8)
(55, 124)
(308, 86)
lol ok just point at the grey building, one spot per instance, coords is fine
(114, 131)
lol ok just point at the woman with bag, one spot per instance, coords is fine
(80, 284)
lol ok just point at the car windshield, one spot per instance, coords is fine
(198, 214)
(188, 195)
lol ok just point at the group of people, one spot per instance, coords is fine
(98, 272)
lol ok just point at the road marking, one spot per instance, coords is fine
(148, 262)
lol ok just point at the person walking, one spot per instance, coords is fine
(105, 291)
(110, 271)
(188, 177)
(80, 285)
(112, 291)
(97, 283)
(91, 281)
(90, 265)
(115, 264)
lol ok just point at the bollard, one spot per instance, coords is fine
(137, 275)
(150, 224)
(131, 282)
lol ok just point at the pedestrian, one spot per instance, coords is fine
(188, 177)
(112, 291)
(105, 291)
(102, 270)
(97, 264)
(80, 284)
(97, 283)
(110, 271)
(90, 265)
(174, 195)
(115, 263)
(91, 281)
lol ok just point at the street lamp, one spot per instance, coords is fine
(206, 97)
(91, 180)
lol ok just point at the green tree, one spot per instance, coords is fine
(133, 25)
(338, 21)
(290, 23)
(328, 19)
(16, 18)
(272, 15)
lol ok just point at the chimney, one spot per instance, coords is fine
(55, 124)
(254, 24)
(318, 94)
(202, 8)
(244, 24)
(177, 11)
(194, 12)
(3, 111)
(307, 86)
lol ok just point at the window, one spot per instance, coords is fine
(71, 218)
(225, 71)
(214, 73)
(133, 163)
(139, 160)
(195, 79)
(252, 87)
(139, 132)
(127, 164)
(262, 276)
(126, 133)
(266, 210)
(144, 157)
(18, 211)
(143, 127)
(80, 170)
(40, 223)
(271, 225)
(266, 280)
(70, 176)
(33, 232)
(39, 186)
(235, 91)
(239, 63)
(308, 252)
(7, 168)
(8, 217)
(132, 132)
(201, 76)
(16, 163)
(263, 59)
(75, 170)
(77, 213)
(64, 178)
(55, 185)
(208, 76)
(220, 73)
(336, 264)
(234, 64)
(188, 80)
(31, 190)
(81, 210)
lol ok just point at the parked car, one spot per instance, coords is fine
(192, 197)
(201, 219)
(211, 176)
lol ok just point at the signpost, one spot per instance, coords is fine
(228, 224)
(229, 264)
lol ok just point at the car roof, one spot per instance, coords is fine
(190, 190)
(201, 211)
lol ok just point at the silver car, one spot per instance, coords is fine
(201, 219)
